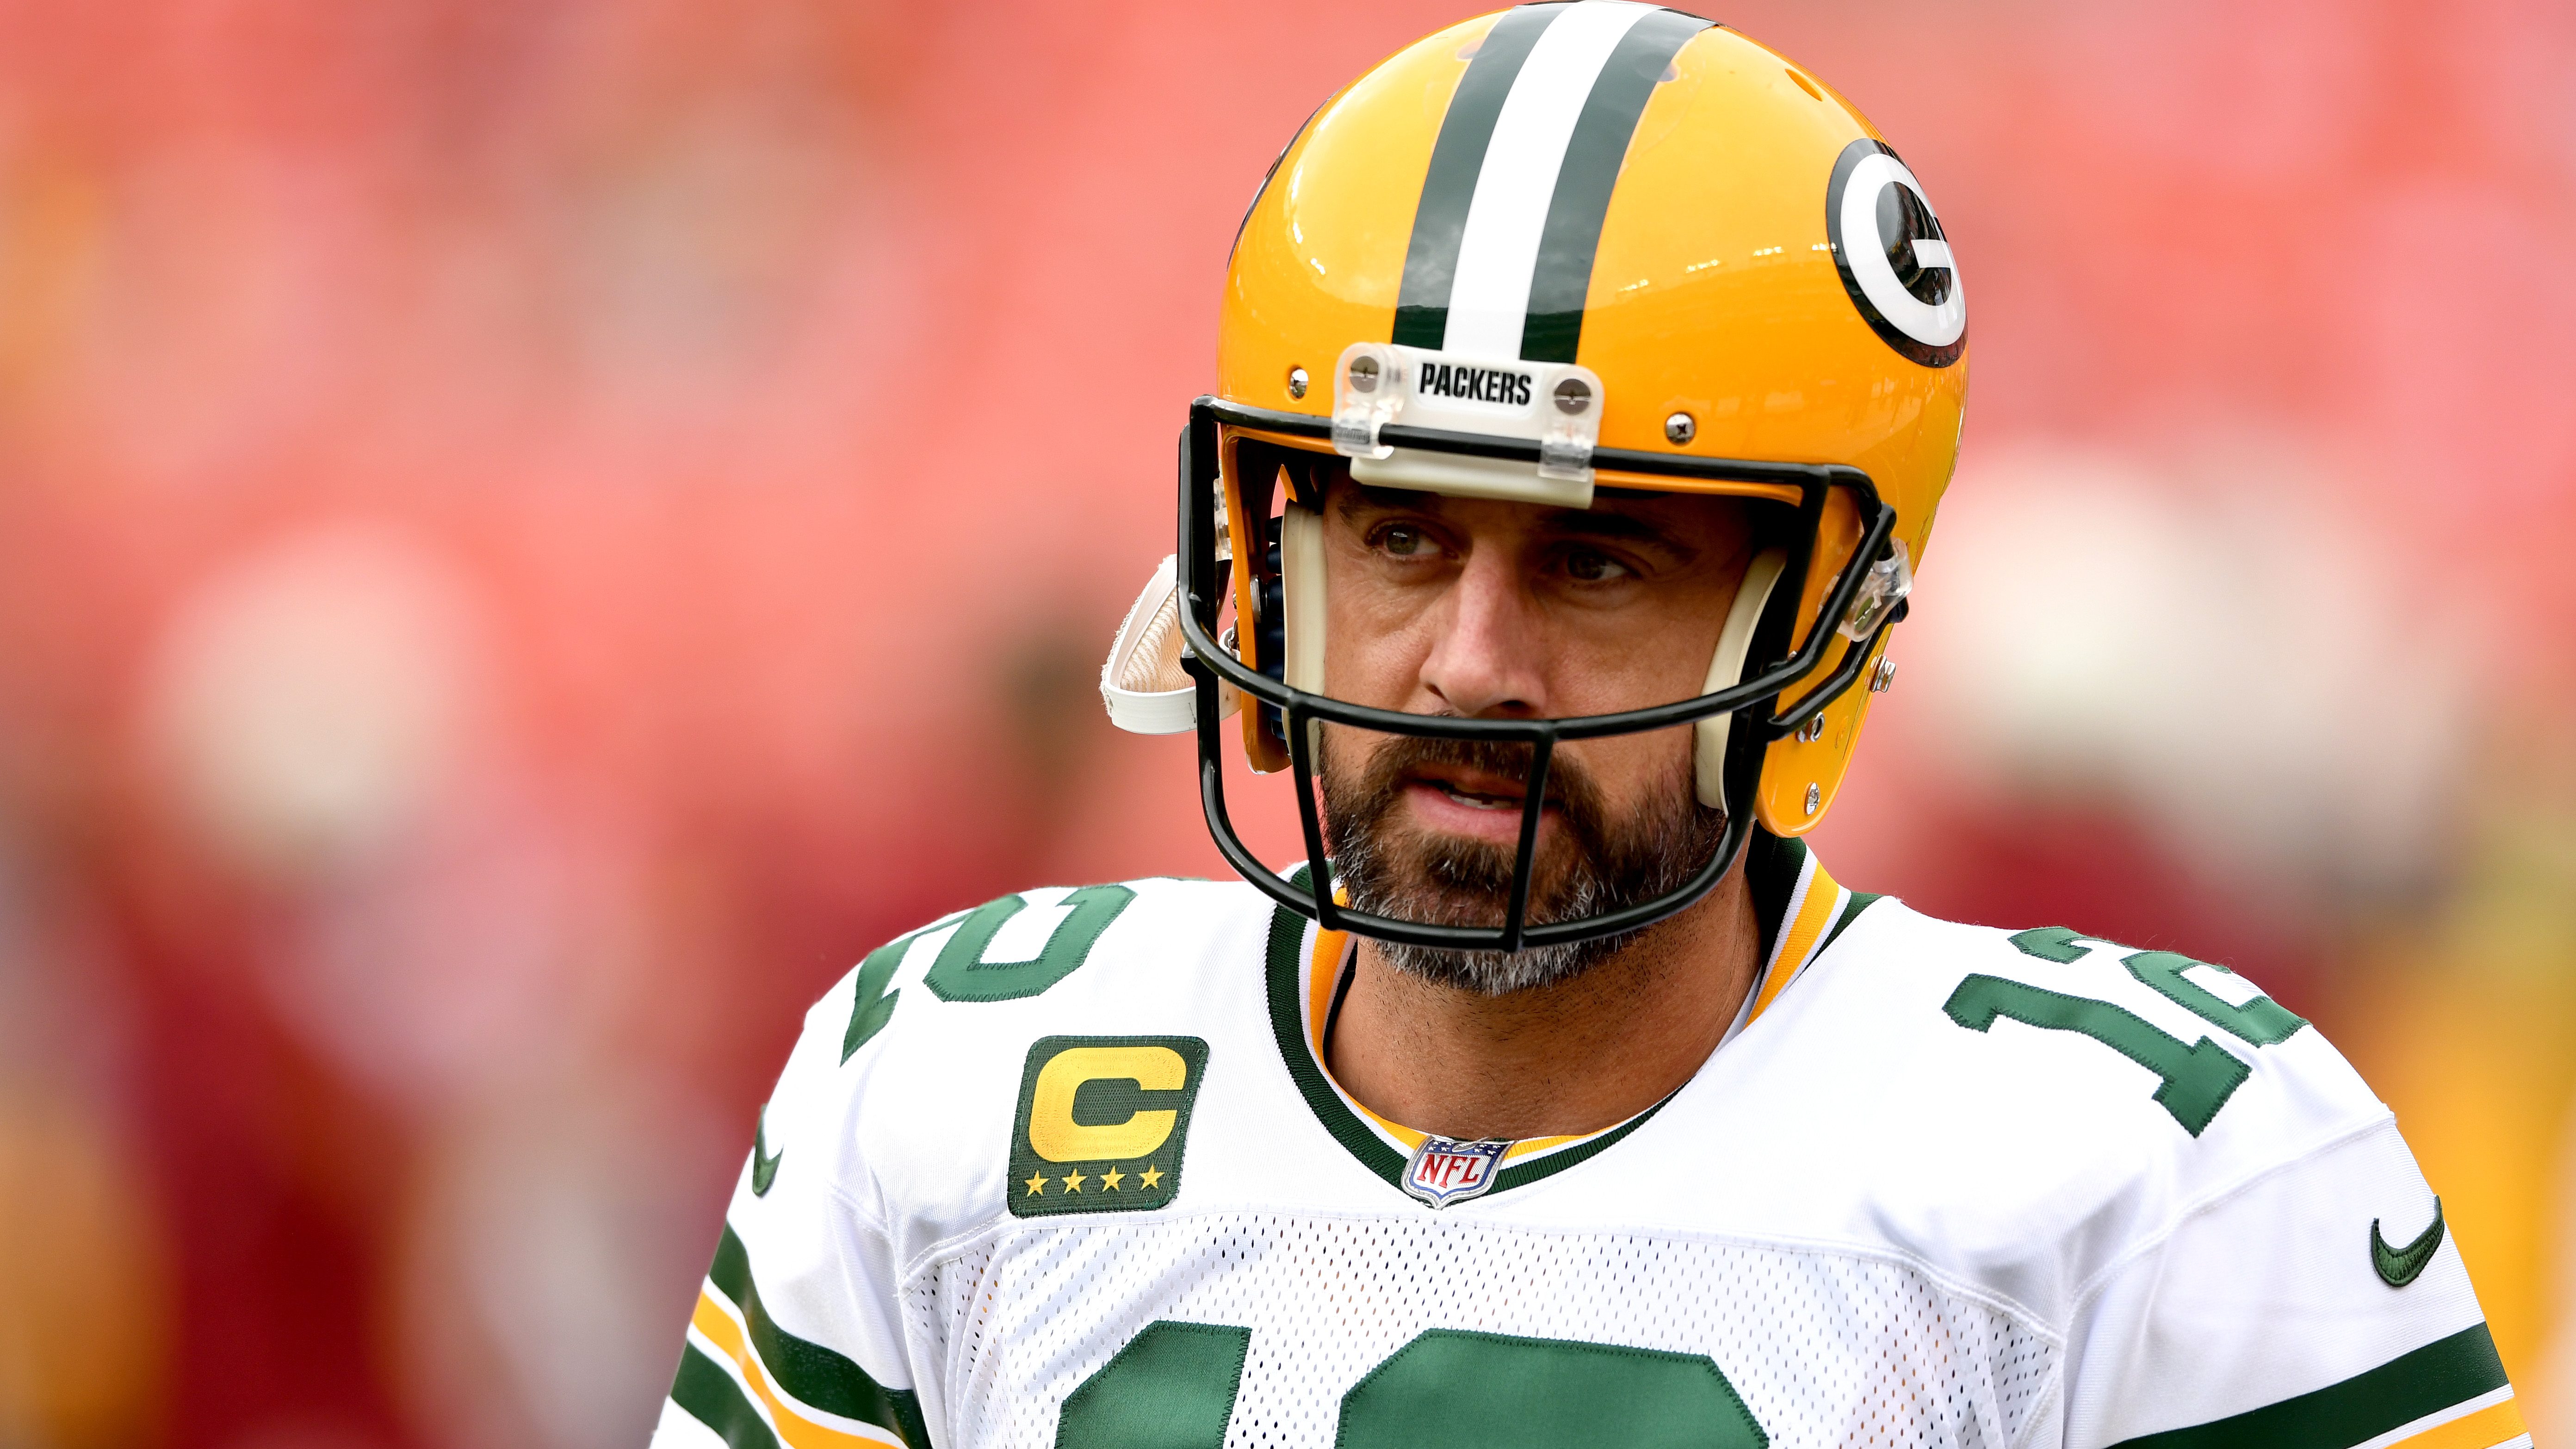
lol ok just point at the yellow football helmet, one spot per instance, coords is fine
(1558, 248)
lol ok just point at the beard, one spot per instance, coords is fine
(1592, 866)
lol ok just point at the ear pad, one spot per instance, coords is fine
(1726, 669)
(1301, 598)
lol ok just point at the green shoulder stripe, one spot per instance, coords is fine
(715, 1400)
(2406, 1388)
(814, 1374)
(1860, 901)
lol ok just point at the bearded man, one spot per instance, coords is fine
(1588, 377)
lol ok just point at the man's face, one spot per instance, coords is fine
(1491, 610)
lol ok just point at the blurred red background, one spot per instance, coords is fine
(532, 535)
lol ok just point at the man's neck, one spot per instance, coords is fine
(1575, 1057)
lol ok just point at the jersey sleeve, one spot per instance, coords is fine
(2322, 1305)
(796, 1336)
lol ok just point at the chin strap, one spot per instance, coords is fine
(1142, 682)
(1726, 670)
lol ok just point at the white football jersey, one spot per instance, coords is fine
(1068, 1170)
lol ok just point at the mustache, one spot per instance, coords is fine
(1357, 814)
(1589, 863)
(1569, 785)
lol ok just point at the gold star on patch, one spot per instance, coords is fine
(1073, 1182)
(1036, 1185)
(1150, 1175)
(1110, 1179)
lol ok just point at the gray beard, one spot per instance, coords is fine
(1594, 865)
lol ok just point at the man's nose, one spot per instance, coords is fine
(1485, 660)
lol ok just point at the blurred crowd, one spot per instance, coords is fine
(532, 535)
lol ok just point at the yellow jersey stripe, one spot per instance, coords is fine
(1820, 899)
(1323, 971)
(1411, 1139)
(2488, 1428)
(794, 1427)
(1808, 866)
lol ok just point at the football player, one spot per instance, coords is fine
(1588, 379)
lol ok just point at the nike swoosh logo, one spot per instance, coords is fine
(764, 1167)
(2401, 1266)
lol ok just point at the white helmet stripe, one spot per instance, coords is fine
(1498, 250)
(1520, 179)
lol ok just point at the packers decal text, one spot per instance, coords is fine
(1496, 385)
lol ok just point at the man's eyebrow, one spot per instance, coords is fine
(1555, 522)
(1392, 500)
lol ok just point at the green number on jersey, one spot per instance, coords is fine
(1173, 1387)
(2051, 943)
(962, 974)
(2197, 1079)
(1449, 1389)
(2260, 1022)
(871, 1005)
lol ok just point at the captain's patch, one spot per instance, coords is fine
(1102, 1121)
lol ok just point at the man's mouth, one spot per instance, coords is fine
(1475, 789)
(1475, 801)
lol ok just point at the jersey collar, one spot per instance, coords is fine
(1800, 910)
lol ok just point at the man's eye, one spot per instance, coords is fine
(1403, 540)
(1594, 568)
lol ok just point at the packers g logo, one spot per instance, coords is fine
(1895, 260)
(1102, 1121)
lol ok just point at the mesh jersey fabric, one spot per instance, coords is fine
(1852, 1350)
(1874, 1218)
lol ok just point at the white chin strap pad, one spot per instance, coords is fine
(1142, 682)
(1726, 670)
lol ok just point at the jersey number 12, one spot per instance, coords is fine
(2194, 1079)
(1174, 1385)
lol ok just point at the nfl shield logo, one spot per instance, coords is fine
(1443, 1171)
